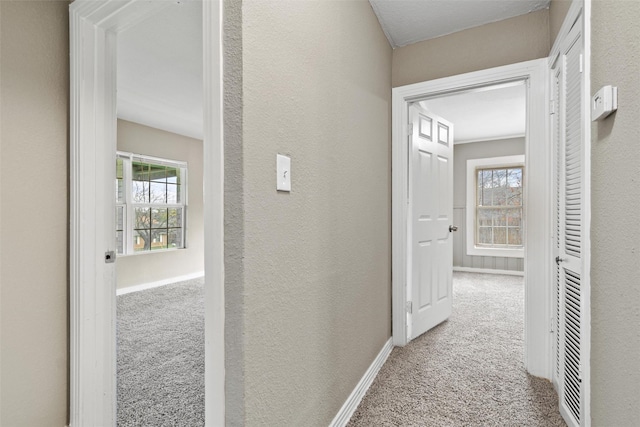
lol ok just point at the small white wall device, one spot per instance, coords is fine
(604, 102)
(283, 172)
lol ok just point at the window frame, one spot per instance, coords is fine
(130, 206)
(503, 162)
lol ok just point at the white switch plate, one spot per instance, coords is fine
(604, 102)
(283, 173)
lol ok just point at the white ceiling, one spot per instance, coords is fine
(410, 21)
(160, 70)
(483, 115)
(160, 64)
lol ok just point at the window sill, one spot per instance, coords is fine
(495, 252)
(157, 251)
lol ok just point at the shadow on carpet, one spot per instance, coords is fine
(160, 338)
(468, 371)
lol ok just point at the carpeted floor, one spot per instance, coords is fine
(161, 356)
(468, 371)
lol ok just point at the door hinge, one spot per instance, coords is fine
(552, 107)
(553, 324)
(410, 129)
(409, 307)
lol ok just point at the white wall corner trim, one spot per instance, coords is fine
(351, 404)
(488, 271)
(158, 283)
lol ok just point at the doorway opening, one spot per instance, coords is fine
(532, 78)
(159, 219)
(94, 30)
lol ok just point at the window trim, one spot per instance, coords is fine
(129, 205)
(487, 163)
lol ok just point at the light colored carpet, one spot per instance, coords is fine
(161, 356)
(468, 371)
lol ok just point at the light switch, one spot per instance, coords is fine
(283, 173)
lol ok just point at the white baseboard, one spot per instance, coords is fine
(488, 271)
(350, 406)
(159, 283)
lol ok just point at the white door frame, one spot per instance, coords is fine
(93, 35)
(537, 271)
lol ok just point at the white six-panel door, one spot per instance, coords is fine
(431, 207)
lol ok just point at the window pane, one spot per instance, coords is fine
(173, 175)
(479, 187)
(514, 197)
(515, 178)
(500, 217)
(120, 242)
(485, 217)
(157, 173)
(119, 169)
(499, 197)
(158, 218)
(119, 181)
(158, 239)
(119, 191)
(173, 193)
(515, 218)
(140, 192)
(499, 178)
(487, 182)
(500, 235)
(515, 236)
(152, 186)
(485, 236)
(175, 217)
(141, 240)
(139, 171)
(119, 218)
(158, 192)
(175, 238)
(142, 218)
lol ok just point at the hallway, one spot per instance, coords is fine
(468, 370)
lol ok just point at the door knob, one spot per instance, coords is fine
(559, 260)
(452, 228)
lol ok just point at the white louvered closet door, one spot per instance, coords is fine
(569, 159)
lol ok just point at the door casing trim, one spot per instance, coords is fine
(537, 356)
(92, 295)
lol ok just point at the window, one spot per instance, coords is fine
(151, 203)
(495, 223)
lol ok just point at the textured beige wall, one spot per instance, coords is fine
(315, 273)
(34, 277)
(557, 12)
(234, 195)
(500, 43)
(615, 251)
(151, 267)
